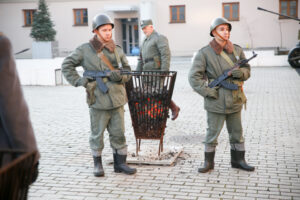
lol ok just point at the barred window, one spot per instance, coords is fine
(288, 7)
(177, 14)
(80, 17)
(28, 17)
(231, 11)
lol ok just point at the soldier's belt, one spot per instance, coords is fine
(148, 60)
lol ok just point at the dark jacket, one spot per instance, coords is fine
(16, 131)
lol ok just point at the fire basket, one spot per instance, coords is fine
(16, 173)
(149, 95)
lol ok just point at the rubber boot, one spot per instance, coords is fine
(208, 163)
(98, 168)
(238, 161)
(121, 166)
(175, 110)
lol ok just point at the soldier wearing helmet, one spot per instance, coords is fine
(221, 104)
(106, 107)
(155, 55)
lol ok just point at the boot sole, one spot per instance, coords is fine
(120, 171)
(210, 169)
(98, 175)
(237, 166)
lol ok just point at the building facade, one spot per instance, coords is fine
(185, 22)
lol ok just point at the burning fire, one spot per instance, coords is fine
(152, 108)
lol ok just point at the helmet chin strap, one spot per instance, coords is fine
(98, 34)
(225, 40)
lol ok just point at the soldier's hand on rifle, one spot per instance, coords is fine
(237, 73)
(212, 92)
(115, 75)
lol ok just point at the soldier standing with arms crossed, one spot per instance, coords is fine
(221, 103)
(106, 107)
(155, 55)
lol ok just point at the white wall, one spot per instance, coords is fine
(255, 28)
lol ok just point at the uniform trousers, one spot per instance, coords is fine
(215, 123)
(113, 120)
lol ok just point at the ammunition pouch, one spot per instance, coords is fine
(238, 95)
(90, 95)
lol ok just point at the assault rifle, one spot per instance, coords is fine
(221, 79)
(98, 75)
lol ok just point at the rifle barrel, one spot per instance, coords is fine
(294, 18)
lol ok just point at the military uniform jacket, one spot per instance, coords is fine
(154, 54)
(86, 56)
(207, 66)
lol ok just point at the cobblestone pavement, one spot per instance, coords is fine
(271, 128)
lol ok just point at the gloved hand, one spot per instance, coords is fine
(237, 73)
(115, 76)
(212, 92)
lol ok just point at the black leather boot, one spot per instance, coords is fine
(121, 166)
(98, 168)
(238, 161)
(208, 163)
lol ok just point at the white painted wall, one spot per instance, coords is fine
(254, 30)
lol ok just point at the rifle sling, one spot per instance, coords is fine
(102, 56)
(228, 59)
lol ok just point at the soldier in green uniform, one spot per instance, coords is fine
(221, 103)
(106, 107)
(155, 55)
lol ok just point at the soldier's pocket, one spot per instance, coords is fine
(90, 95)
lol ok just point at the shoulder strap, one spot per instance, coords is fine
(118, 58)
(228, 59)
(105, 60)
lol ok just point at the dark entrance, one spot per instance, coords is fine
(130, 36)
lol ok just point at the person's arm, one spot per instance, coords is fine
(197, 76)
(14, 113)
(165, 54)
(126, 67)
(69, 68)
(140, 63)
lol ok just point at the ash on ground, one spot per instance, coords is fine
(149, 155)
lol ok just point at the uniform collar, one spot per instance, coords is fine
(218, 49)
(150, 36)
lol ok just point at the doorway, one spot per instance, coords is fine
(130, 36)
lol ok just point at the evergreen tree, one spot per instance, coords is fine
(42, 26)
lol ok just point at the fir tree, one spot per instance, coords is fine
(42, 26)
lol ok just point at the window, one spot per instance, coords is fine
(177, 14)
(231, 11)
(28, 17)
(288, 7)
(80, 17)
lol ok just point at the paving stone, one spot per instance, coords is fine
(271, 128)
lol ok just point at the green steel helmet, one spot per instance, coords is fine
(100, 20)
(218, 21)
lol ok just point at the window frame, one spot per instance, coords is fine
(178, 14)
(31, 11)
(81, 17)
(288, 9)
(231, 11)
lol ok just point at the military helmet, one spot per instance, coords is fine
(218, 21)
(146, 22)
(100, 20)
